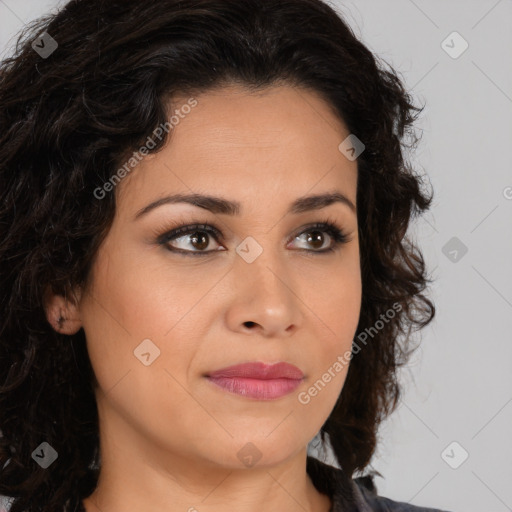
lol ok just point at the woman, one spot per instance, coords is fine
(204, 261)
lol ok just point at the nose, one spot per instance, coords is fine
(266, 300)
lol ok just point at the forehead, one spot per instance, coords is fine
(232, 116)
(248, 144)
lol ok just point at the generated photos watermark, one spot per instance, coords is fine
(342, 361)
(137, 156)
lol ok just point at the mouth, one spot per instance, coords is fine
(258, 380)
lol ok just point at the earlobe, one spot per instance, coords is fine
(62, 314)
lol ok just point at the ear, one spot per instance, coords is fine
(62, 313)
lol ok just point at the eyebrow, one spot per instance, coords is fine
(227, 207)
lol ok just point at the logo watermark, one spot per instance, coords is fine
(342, 361)
(137, 156)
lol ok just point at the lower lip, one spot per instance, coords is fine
(257, 388)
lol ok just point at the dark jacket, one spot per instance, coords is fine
(353, 495)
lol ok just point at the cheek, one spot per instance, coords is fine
(139, 312)
(138, 369)
(140, 297)
(334, 302)
(335, 306)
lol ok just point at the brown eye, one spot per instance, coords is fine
(192, 239)
(316, 237)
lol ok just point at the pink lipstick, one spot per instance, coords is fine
(258, 380)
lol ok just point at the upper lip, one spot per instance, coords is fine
(259, 370)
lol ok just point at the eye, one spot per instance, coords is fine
(197, 236)
(196, 239)
(315, 237)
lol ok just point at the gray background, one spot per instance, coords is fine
(458, 386)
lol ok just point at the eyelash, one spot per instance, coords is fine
(329, 226)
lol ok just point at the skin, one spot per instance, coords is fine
(168, 436)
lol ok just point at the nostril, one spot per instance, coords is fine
(249, 324)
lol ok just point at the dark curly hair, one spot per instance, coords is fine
(68, 120)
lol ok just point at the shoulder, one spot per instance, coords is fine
(365, 490)
(354, 495)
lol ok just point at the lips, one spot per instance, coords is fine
(258, 380)
(258, 370)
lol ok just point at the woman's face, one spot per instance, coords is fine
(157, 321)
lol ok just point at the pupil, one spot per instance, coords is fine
(203, 243)
(316, 241)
